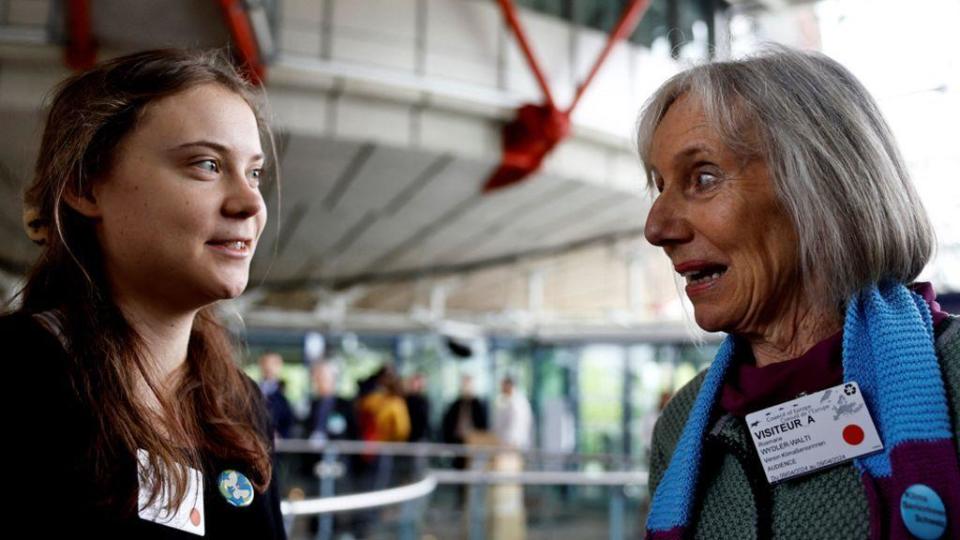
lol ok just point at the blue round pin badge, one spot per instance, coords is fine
(923, 512)
(235, 488)
(337, 424)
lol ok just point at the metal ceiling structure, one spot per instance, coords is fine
(349, 207)
(359, 206)
(362, 212)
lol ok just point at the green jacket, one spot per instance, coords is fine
(734, 499)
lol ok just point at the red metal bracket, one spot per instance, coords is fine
(241, 31)
(537, 129)
(81, 51)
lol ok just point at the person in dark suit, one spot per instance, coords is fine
(331, 417)
(464, 416)
(418, 405)
(272, 386)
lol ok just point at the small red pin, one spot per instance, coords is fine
(853, 435)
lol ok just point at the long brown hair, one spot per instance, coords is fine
(214, 405)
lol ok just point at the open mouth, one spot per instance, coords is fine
(704, 274)
(233, 246)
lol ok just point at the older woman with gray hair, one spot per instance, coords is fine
(832, 408)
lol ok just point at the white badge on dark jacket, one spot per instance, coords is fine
(189, 516)
(813, 432)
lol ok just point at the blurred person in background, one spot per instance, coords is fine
(782, 199)
(383, 411)
(371, 382)
(331, 417)
(418, 405)
(147, 208)
(513, 419)
(412, 468)
(384, 418)
(465, 416)
(273, 386)
(513, 428)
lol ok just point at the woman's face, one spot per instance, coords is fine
(179, 214)
(718, 219)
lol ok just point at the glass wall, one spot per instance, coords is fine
(594, 405)
(587, 397)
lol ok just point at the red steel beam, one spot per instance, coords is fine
(241, 31)
(81, 51)
(625, 26)
(538, 129)
(510, 14)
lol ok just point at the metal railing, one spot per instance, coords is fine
(475, 481)
(444, 450)
(360, 501)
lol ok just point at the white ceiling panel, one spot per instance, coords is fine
(472, 231)
(513, 229)
(389, 176)
(353, 208)
(310, 169)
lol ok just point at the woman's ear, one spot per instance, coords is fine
(85, 204)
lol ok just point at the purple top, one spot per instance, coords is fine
(749, 388)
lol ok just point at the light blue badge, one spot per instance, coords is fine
(337, 424)
(923, 512)
(235, 488)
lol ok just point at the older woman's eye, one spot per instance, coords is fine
(704, 179)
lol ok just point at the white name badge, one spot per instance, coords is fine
(189, 516)
(813, 432)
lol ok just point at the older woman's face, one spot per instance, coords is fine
(718, 220)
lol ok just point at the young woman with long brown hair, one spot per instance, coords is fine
(131, 416)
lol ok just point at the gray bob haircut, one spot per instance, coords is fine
(833, 159)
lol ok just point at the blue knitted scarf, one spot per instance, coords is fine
(888, 348)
